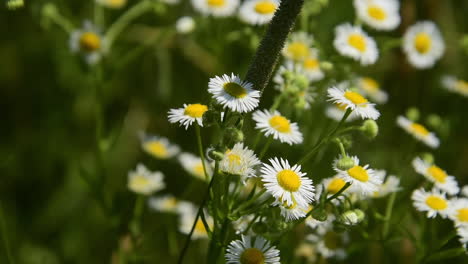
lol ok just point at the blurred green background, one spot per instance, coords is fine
(48, 125)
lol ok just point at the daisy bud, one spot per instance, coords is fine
(185, 25)
(320, 214)
(352, 217)
(15, 4)
(209, 118)
(413, 114)
(326, 66)
(464, 43)
(427, 157)
(434, 121)
(234, 134)
(370, 128)
(215, 155)
(345, 163)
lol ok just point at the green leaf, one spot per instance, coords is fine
(446, 254)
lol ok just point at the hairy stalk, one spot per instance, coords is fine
(267, 54)
(6, 241)
(200, 209)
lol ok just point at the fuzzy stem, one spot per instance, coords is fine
(3, 229)
(267, 54)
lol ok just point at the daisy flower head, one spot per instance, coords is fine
(241, 224)
(273, 123)
(143, 181)
(298, 46)
(194, 166)
(234, 93)
(351, 41)
(158, 147)
(459, 211)
(320, 227)
(453, 84)
(188, 114)
(436, 175)
(423, 44)
(331, 186)
(371, 88)
(252, 250)
(291, 212)
(166, 203)
(433, 202)
(462, 232)
(363, 179)
(418, 131)
(464, 191)
(216, 8)
(112, 3)
(310, 66)
(89, 42)
(258, 12)
(390, 185)
(379, 14)
(239, 160)
(354, 101)
(330, 244)
(287, 183)
(337, 111)
(186, 223)
(185, 25)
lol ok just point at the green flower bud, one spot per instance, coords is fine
(347, 141)
(464, 43)
(210, 117)
(345, 163)
(301, 81)
(352, 217)
(413, 114)
(319, 214)
(326, 66)
(427, 157)
(434, 121)
(15, 4)
(215, 155)
(233, 134)
(370, 128)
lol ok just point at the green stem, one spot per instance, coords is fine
(6, 241)
(388, 214)
(200, 149)
(118, 26)
(329, 199)
(265, 148)
(189, 237)
(249, 202)
(137, 214)
(58, 19)
(98, 15)
(277, 102)
(267, 54)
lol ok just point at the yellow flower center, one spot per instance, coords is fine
(289, 180)
(265, 7)
(216, 3)
(298, 50)
(462, 215)
(311, 63)
(342, 107)
(200, 227)
(436, 203)
(195, 110)
(376, 12)
(335, 185)
(157, 149)
(437, 173)
(198, 169)
(357, 41)
(419, 129)
(359, 173)
(170, 203)
(90, 42)
(235, 90)
(462, 86)
(355, 98)
(116, 3)
(332, 240)
(370, 85)
(252, 256)
(422, 42)
(234, 159)
(139, 182)
(280, 123)
(289, 207)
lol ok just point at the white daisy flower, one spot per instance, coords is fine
(239, 160)
(423, 44)
(311, 66)
(352, 41)
(363, 179)
(252, 250)
(371, 88)
(330, 244)
(185, 25)
(186, 223)
(379, 14)
(318, 226)
(241, 224)
(332, 185)
(391, 185)
(418, 131)
(464, 191)
(158, 147)
(143, 181)
(291, 212)
(298, 46)
(433, 202)
(337, 111)
(287, 183)
(216, 8)
(354, 101)
(455, 85)
(166, 203)
(89, 42)
(436, 175)
(459, 211)
(194, 166)
(277, 125)
(258, 12)
(233, 93)
(307, 252)
(188, 114)
(112, 3)
(462, 232)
